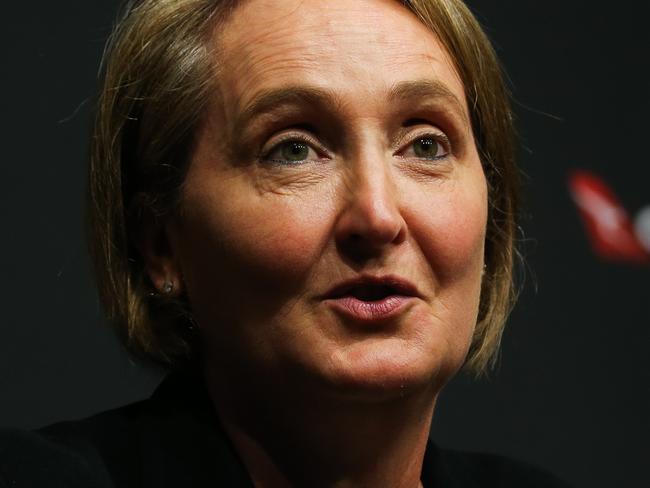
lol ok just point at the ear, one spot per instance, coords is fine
(160, 257)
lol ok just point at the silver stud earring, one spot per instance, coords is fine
(192, 326)
(168, 287)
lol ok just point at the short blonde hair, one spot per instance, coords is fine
(158, 72)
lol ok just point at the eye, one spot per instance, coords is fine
(427, 147)
(291, 151)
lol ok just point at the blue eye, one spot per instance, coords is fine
(291, 152)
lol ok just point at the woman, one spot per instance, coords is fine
(304, 209)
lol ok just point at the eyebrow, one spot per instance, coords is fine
(270, 100)
(430, 89)
(294, 95)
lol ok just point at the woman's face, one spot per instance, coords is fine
(338, 148)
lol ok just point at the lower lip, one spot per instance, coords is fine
(370, 311)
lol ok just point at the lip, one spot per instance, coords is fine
(402, 287)
(368, 311)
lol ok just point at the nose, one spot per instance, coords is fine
(370, 220)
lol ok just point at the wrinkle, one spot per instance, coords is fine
(287, 181)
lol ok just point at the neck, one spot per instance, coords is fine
(294, 438)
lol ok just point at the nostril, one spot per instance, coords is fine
(370, 220)
(368, 242)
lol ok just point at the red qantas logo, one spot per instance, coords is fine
(613, 234)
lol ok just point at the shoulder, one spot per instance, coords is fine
(72, 454)
(171, 439)
(469, 469)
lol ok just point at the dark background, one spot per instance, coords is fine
(572, 390)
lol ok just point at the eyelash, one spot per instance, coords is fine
(439, 137)
(291, 137)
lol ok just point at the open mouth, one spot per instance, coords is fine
(372, 300)
(371, 293)
(371, 289)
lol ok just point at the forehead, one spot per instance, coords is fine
(357, 49)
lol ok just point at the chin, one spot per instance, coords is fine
(381, 369)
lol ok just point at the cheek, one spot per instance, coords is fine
(250, 243)
(265, 238)
(451, 233)
(453, 244)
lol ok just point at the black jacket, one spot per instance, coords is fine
(174, 439)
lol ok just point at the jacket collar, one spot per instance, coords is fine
(183, 444)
